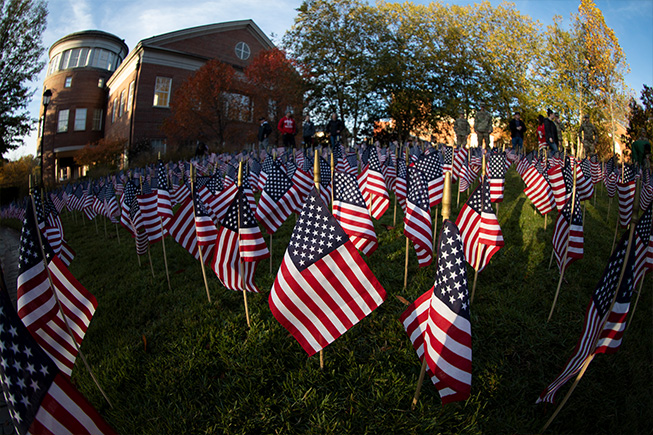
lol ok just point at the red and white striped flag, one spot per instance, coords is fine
(350, 211)
(37, 306)
(417, 221)
(41, 399)
(568, 236)
(430, 167)
(603, 328)
(479, 228)
(323, 286)
(373, 186)
(239, 246)
(626, 196)
(438, 322)
(538, 190)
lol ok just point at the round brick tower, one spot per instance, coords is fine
(80, 65)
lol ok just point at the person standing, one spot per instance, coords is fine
(517, 130)
(541, 134)
(308, 130)
(462, 129)
(483, 127)
(334, 128)
(264, 132)
(588, 135)
(288, 129)
(559, 129)
(551, 132)
(641, 149)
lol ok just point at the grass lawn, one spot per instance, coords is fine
(172, 363)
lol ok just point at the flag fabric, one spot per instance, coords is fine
(182, 230)
(447, 159)
(558, 186)
(479, 228)
(350, 211)
(400, 186)
(239, 247)
(148, 203)
(275, 203)
(417, 221)
(163, 199)
(459, 159)
(626, 195)
(538, 190)
(643, 246)
(496, 174)
(438, 322)
(596, 169)
(373, 186)
(37, 306)
(568, 235)
(323, 286)
(584, 186)
(129, 211)
(40, 399)
(180, 194)
(205, 229)
(431, 168)
(603, 328)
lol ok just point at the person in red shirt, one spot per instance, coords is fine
(287, 128)
(541, 134)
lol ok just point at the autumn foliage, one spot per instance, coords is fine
(105, 152)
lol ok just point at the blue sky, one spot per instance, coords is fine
(631, 20)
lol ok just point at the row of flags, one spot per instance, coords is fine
(323, 286)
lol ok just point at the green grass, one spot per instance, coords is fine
(203, 371)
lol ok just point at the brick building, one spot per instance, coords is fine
(133, 96)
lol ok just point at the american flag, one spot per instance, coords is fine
(302, 185)
(254, 172)
(111, 209)
(39, 398)
(603, 328)
(163, 200)
(610, 182)
(596, 169)
(275, 203)
(417, 221)
(181, 193)
(496, 174)
(438, 322)
(646, 191)
(265, 170)
(182, 230)
(558, 186)
(350, 211)
(465, 177)
(129, 211)
(479, 228)
(447, 159)
(626, 195)
(352, 160)
(204, 227)
(431, 168)
(54, 234)
(643, 246)
(400, 186)
(584, 186)
(568, 232)
(538, 190)
(323, 286)
(459, 159)
(325, 180)
(147, 202)
(239, 247)
(373, 186)
(37, 306)
(89, 200)
(524, 163)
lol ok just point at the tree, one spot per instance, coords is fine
(640, 116)
(333, 43)
(200, 107)
(276, 84)
(16, 174)
(22, 23)
(105, 152)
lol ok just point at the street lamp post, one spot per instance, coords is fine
(47, 96)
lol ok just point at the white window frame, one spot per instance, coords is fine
(62, 121)
(80, 119)
(130, 97)
(97, 119)
(68, 82)
(243, 52)
(121, 107)
(162, 89)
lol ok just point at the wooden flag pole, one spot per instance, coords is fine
(616, 229)
(117, 234)
(316, 181)
(56, 298)
(435, 227)
(96, 230)
(165, 257)
(564, 257)
(589, 359)
(446, 213)
(104, 220)
(149, 255)
(478, 248)
(632, 312)
(199, 247)
(240, 261)
(407, 241)
(274, 156)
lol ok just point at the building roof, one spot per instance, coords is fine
(206, 30)
(90, 34)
